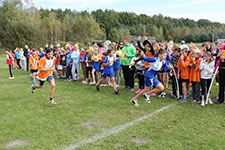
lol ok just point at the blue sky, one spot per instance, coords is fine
(212, 10)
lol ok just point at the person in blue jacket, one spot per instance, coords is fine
(156, 64)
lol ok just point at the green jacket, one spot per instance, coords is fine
(128, 52)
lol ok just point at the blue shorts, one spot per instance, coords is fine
(64, 68)
(41, 83)
(150, 82)
(97, 66)
(110, 74)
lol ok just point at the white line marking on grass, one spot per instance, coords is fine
(115, 130)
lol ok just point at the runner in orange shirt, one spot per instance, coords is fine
(46, 67)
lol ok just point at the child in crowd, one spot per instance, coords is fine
(195, 75)
(140, 68)
(42, 53)
(156, 63)
(14, 59)
(108, 71)
(63, 63)
(9, 62)
(101, 48)
(33, 62)
(23, 60)
(183, 72)
(68, 65)
(117, 66)
(75, 56)
(173, 61)
(96, 58)
(207, 68)
(89, 65)
(221, 65)
(59, 67)
(83, 65)
(18, 55)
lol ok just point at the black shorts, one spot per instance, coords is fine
(41, 83)
(184, 80)
(32, 71)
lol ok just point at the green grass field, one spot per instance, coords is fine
(81, 112)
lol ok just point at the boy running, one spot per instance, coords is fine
(108, 71)
(156, 63)
(46, 67)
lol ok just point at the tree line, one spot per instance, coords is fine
(22, 23)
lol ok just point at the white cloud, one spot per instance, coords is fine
(174, 6)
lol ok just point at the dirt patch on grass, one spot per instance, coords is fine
(88, 124)
(118, 145)
(140, 141)
(17, 143)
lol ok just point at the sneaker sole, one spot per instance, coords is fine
(146, 99)
(52, 103)
(135, 104)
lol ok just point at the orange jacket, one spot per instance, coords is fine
(194, 71)
(190, 55)
(45, 63)
(33, 62)
(184, 70)
(148, 54)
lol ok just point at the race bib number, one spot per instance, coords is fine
(157, 66)
(49, 63)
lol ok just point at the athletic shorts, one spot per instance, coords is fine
(33, 70)
(150, 82)
(59, 67)
(64, 68)
(41, 83)
(97, 66)
(185, 80)
(110, 74)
